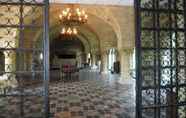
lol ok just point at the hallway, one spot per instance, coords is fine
(93, 59)
(82, 38)
(104, 97)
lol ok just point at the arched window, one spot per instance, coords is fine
(2, 63)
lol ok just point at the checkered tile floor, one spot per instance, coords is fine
(88, 98)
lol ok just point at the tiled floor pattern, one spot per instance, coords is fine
(89, 98)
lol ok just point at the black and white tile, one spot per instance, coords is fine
(87, 98)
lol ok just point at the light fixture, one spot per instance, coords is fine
(69, 31)
(71, 18)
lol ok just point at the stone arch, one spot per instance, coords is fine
(108, 20)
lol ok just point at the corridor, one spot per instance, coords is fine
(93, 59)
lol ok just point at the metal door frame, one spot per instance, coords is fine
(45, 47)
(173, 88)
(46, 59)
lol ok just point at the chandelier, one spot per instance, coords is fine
(69, 31)
(71, 18)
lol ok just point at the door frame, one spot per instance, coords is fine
(156, 10)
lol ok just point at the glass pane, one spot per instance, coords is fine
(148, 77)
(10, 107)
(182, 94)
(147, 4)
(10, 15)
(148, 97)
(165, 40)
(181, 76)
(181, 111)
(180, 20)
(148, 113)
(163, 4)
(167, 75)
(32, 15)
(164, 20)
(9, 37)
(179, 4)
(147, 39)
(33, 107)
(147, 58)
(181, 39)
(181, 57)
(147, 19)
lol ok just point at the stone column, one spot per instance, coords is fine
(79, 59)
(83, 58)
(88, 56)
(117, 55)
(125, 62)
(104, 62)
(94, 59)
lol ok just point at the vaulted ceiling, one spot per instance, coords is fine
(108, 26)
